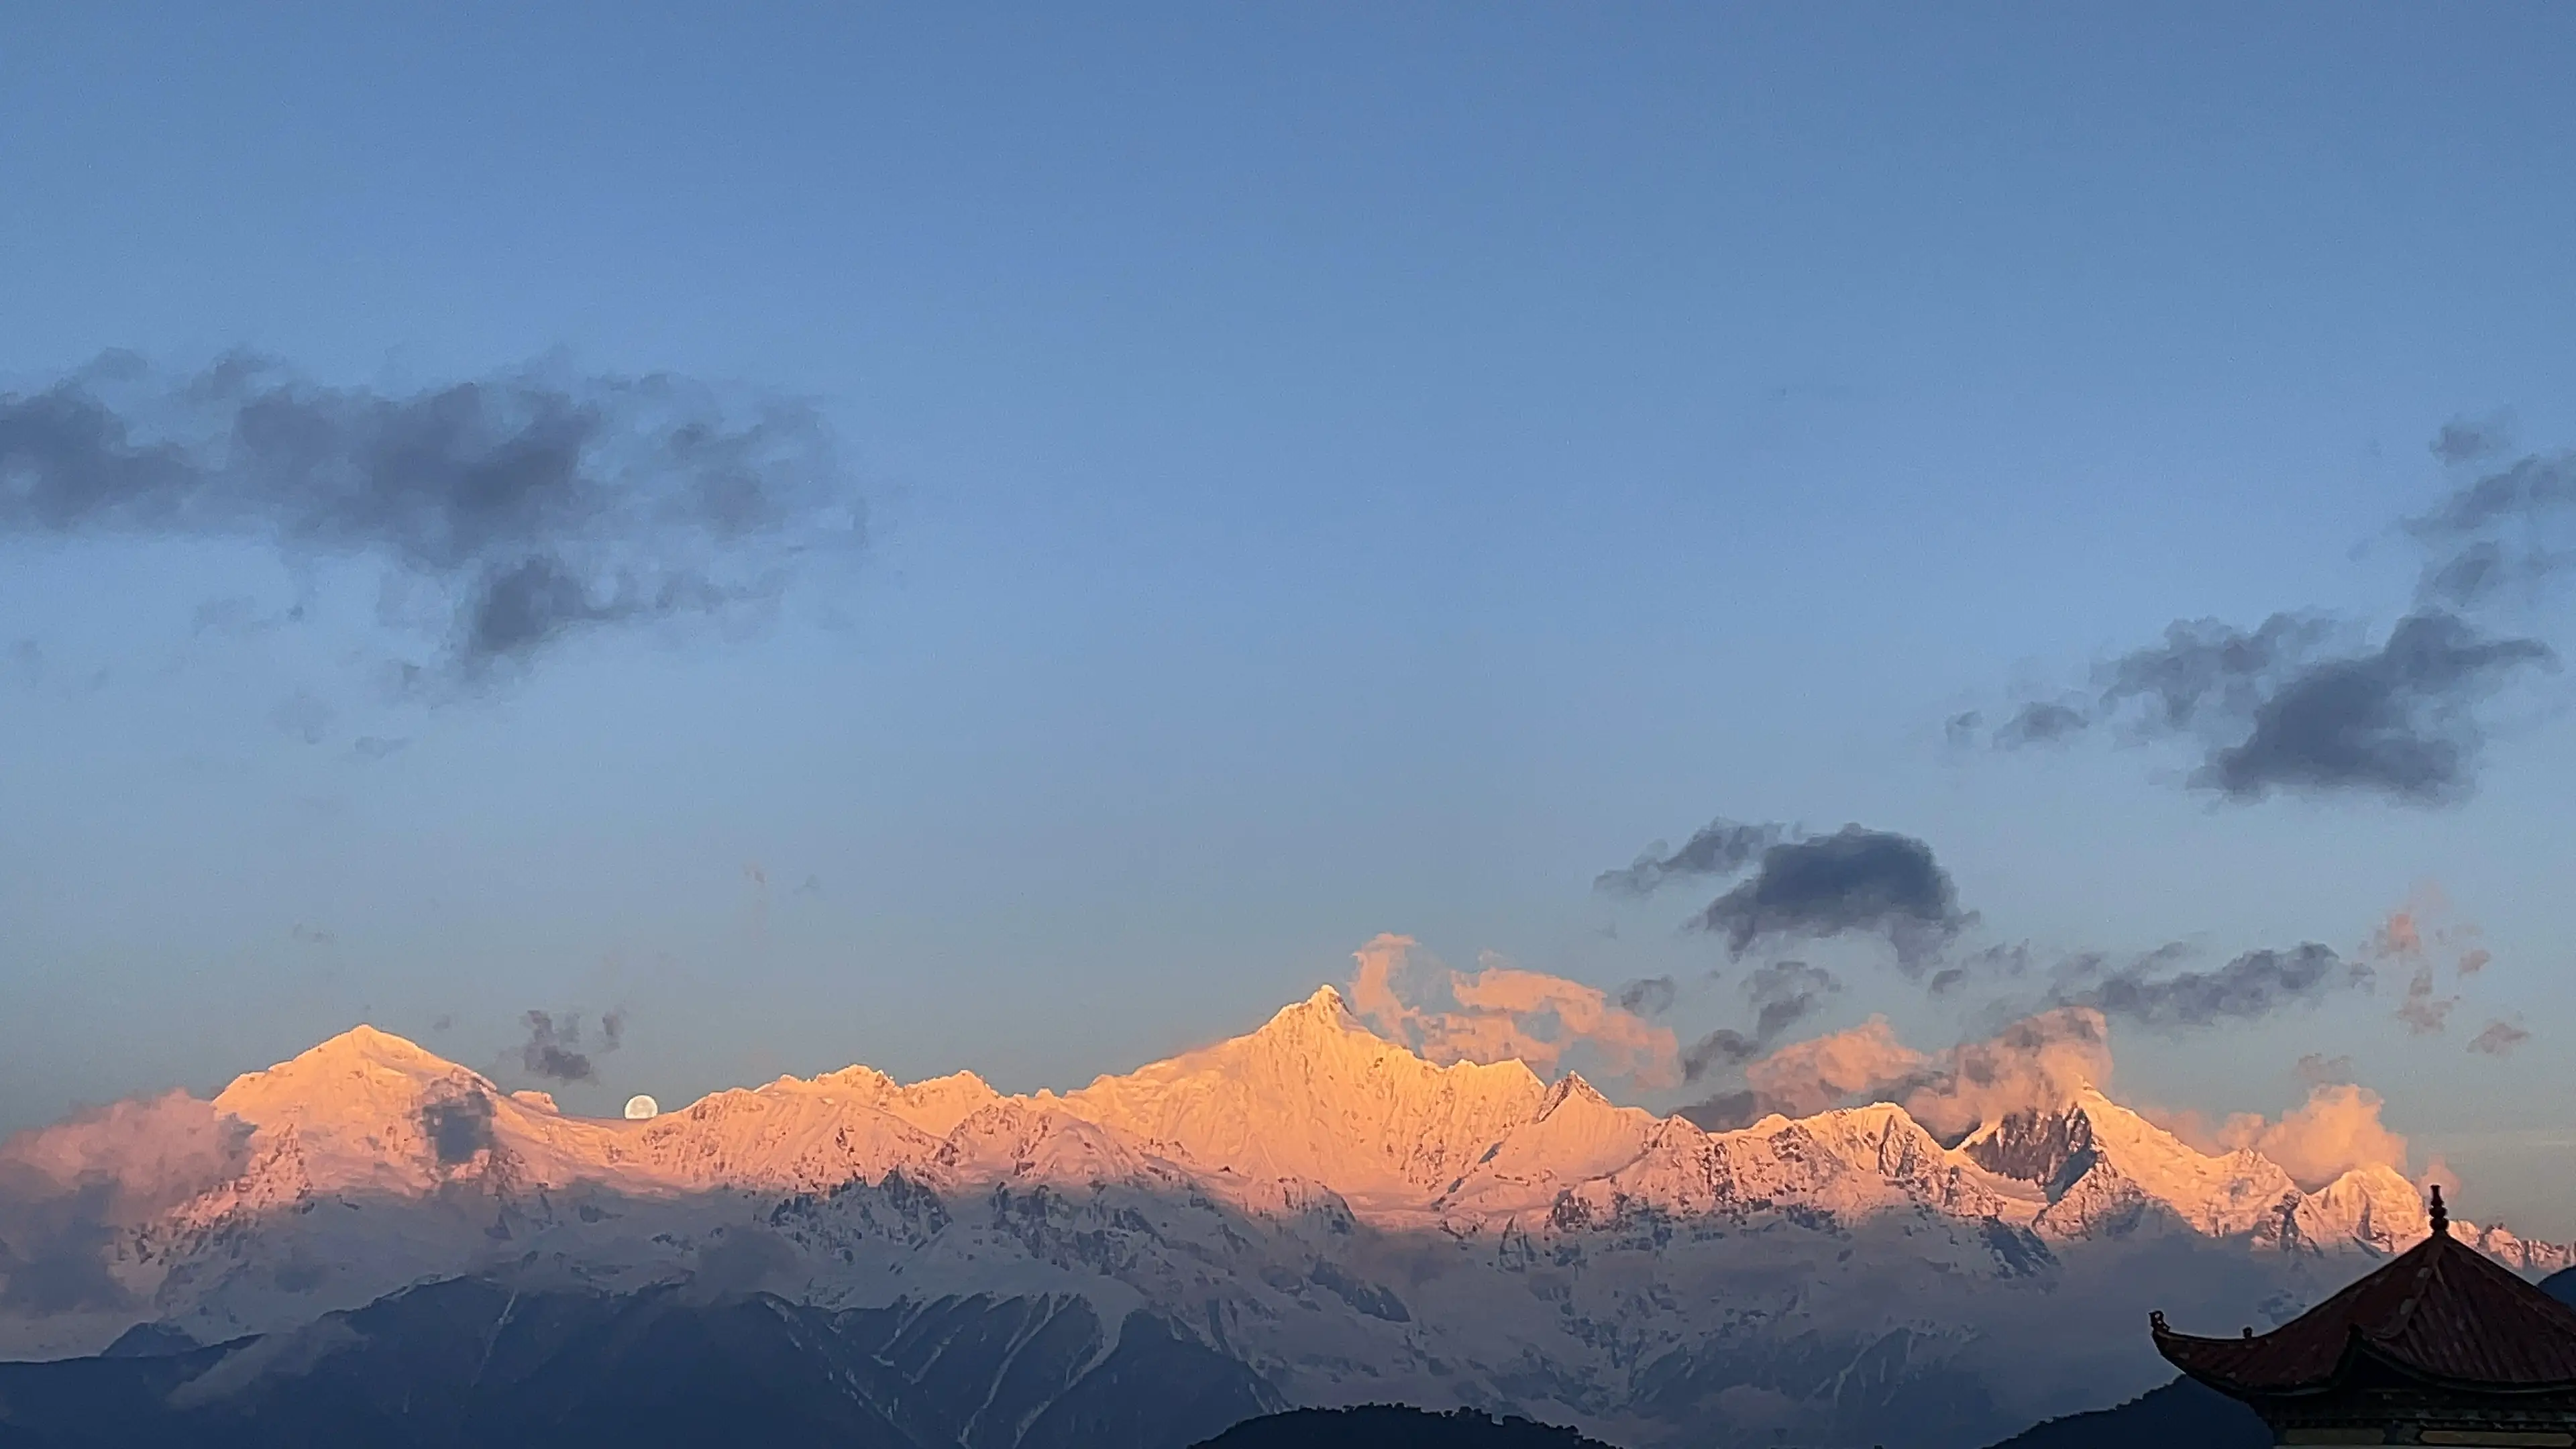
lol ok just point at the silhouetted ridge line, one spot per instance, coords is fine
(2182, 1412)
(1392, 1426)
(2561, 1285)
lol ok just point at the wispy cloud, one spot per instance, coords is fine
(1782, 994)
(2253, 985)
(1720, 848)
(2498, 1038)
(553, 1048)
(526, 508)
(2303, 703)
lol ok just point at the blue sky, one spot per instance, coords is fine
(1330, 470)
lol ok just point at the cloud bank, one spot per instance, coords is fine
(1501, 1011)
(66, 1189)
(2334, 1131)
(2041, 1064)
(2038, 1063)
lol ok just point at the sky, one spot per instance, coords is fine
(1102, 514)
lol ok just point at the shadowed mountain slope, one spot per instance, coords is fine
(1387, 1426)
(468, 1362)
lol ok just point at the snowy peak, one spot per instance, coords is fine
(2374, 1206)
(1324, 1003)
(2046, 1149)
(360, 1056)
(1574, 1136)
(2108, 1170)
(1020, 1139)
(934, 1106)
(1571, 1088)
(365, 1090)
(1315, 1095)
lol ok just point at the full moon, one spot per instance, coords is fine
(639, 1107)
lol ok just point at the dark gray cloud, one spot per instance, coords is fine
(2204, 671)
(2300, 704)
(1854, 881)
(2465, 440)
(457, 1126)
(2041, 722)
(2274, 709)
(2252, 986)
(1782, 993)
(1726, 1111)
(1652, 996)
(2505, 527)
(551, 1050)
(2008, 959)
(2316, 1069)
(533, 507)
(2527, 492)
(2469, 575)
(1725, 1047)
(1720, 848)
(2396, 721)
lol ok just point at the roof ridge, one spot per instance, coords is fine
(2430, 1312)
(2424, 1274)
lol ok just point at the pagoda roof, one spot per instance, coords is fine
(2440, 1311)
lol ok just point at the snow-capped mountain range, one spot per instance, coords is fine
(1348, 1220)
